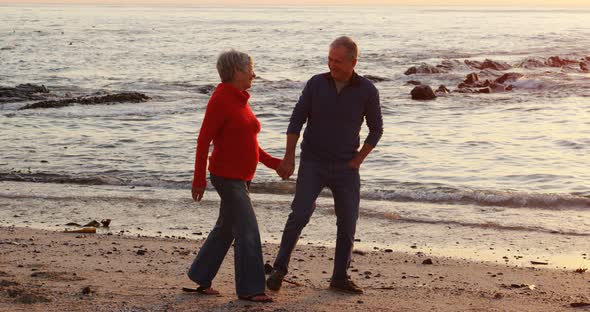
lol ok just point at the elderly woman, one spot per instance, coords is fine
(231, 125)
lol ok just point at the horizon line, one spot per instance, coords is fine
(319, 5)
(267, 3)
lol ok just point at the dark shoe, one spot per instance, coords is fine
(275, 280)
(346, 286)
(202, 290)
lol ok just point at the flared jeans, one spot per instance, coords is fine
(236, 222)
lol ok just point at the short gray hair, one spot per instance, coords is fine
(229, 61)
(348, 44)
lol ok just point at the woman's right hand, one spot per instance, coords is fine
(198, 193)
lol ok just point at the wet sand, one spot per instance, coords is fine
(55, 271)
(159, 212)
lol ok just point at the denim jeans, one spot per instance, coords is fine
(312, 177)
(236, 221)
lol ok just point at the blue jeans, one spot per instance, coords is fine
(312, 177)
(236, 221)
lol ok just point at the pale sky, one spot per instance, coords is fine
(534, 3)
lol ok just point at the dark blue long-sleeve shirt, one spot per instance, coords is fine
(334, 120)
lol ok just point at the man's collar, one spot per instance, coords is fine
(355, 79)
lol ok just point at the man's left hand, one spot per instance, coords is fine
(355, 162)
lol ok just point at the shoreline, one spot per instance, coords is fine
(54, 271)
(170, 213)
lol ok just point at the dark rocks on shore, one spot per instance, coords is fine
(422, 92)
(131, 97)
(23, 92)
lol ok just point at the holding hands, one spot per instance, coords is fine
(287, 167)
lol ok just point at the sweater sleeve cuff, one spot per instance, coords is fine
(274, 163)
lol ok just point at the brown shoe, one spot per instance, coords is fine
(346, 286)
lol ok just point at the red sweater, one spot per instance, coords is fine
(231, 125)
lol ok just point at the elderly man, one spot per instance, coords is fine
(334, 105)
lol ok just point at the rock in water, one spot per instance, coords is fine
(556, 61)
(206, 89)
(442, 90)
(508, 77)
(423, 69)
(23, 92)
(488, 64)
(132, 97)
(422, 92)
(374, 78)
(471, 79)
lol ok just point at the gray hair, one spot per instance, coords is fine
(348, 44)
(229, 61)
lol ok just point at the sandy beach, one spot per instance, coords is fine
(475, 198)
(55, 271)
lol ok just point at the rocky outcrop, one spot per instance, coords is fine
(533, 62)
(473, 84)
(449, 65)
(508, 77)
(422, 92)
(442, 90)
(423, 69)
(127, 97)
(556, 61)
(471, 79)
(23, 92)
(488, 64)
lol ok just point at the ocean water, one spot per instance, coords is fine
(511, 161)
